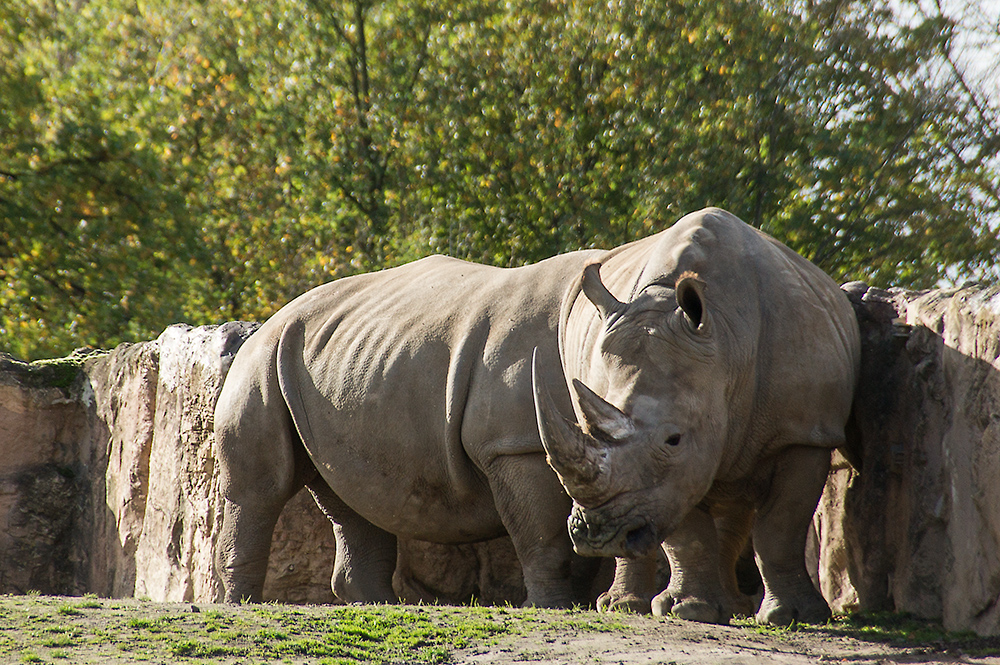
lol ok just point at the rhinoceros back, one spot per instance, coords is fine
(404, 384)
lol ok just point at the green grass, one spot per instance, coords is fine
(900, 630)
(46, 629)
(43, 629)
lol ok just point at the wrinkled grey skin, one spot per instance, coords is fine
(403, 400)
(712, 372)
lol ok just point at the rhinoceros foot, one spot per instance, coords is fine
(628, 602)
(741, 605)
(690, 608)
(803, 608)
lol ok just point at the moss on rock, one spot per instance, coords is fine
(49, 373)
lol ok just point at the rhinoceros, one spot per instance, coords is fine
(414, 402)
(707, 397)
(402, 400)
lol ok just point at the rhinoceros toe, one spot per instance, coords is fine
(779, 612)
(690, 608)
(625, 603)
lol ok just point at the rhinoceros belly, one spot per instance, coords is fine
(418, 502)
(382, 441)
(403, 486)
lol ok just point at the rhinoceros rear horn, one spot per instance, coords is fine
(574, 455)
(601, 415)
(597, 293)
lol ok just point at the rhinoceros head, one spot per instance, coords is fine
(637, 460)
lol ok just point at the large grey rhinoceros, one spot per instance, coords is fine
(405, 400)
(705, 404)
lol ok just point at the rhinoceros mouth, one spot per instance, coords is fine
(592, 535)
(639, 542)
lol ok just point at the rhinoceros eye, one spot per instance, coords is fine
(673, 439)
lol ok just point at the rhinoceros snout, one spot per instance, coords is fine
(593, 535)
(586, 529)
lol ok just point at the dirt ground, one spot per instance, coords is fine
(49, 629)
(666, 641)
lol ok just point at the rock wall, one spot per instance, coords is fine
(108, 484)
(159, 502)
(918, 528)
(40, 478)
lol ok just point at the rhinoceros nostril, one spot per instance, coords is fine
(640, 541)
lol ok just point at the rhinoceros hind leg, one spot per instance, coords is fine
(633, 588)
(244, 547)
(779, 536)
(733, 522)
(261, 467)
(366, 555)
(695, 591)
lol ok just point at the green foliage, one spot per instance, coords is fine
(199, 162)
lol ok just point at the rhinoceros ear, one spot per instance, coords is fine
(690, 290)
(573, 455)
(603, 416)
(597, 293)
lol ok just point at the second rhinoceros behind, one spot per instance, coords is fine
(712, 388)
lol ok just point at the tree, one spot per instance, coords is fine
(818, 122)
(188, 161)
(88, 219)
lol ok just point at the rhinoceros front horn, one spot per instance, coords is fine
(597, 293)
(574, 455)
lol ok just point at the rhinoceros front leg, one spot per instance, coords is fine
(695, 591)
(635, 579)
(733, 523)
(779, 537)
(633, 587)
(366, 555)
(533, 508)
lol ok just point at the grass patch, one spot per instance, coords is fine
(98, 630)
(48, 629)
(900, 630)
(58, 641)
(90, 602)
(907, 630)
